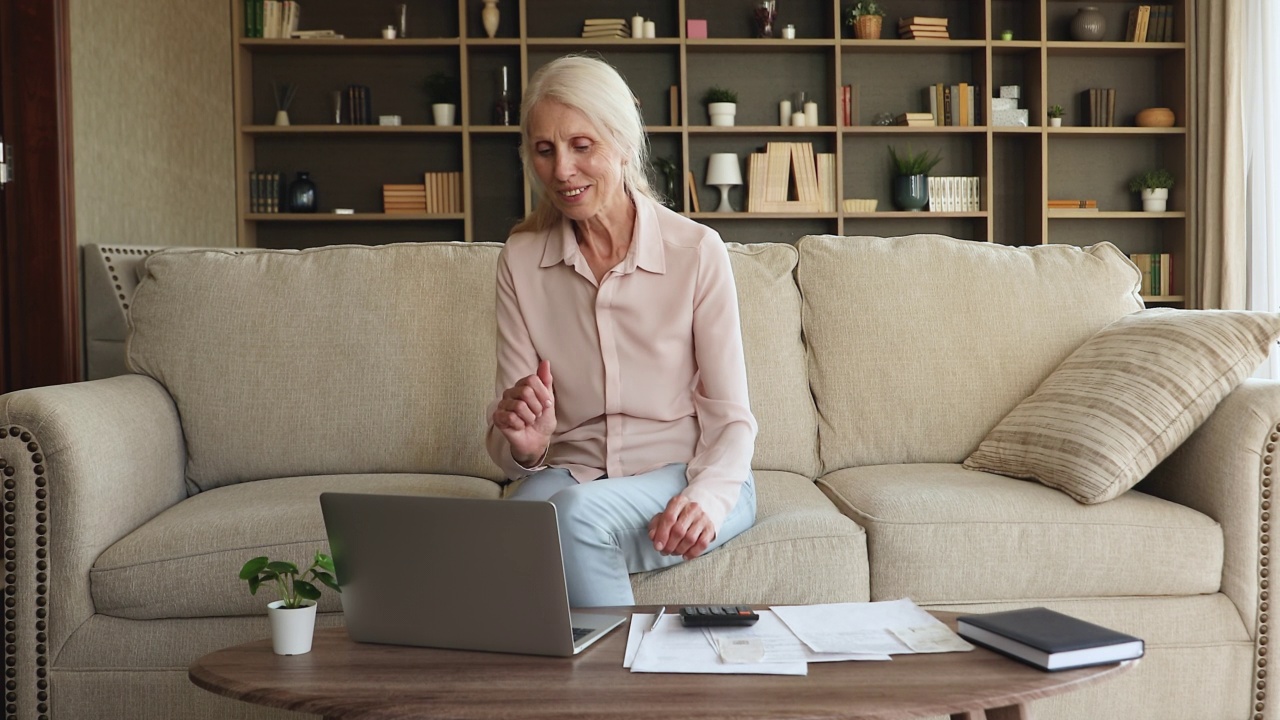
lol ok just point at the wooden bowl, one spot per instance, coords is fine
(1154, 117)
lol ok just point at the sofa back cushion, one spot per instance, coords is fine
(777, 376)
(342, 359)
(919, 345)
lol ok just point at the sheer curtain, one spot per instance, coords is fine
(1262, 158)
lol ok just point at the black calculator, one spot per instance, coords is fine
(718, 616)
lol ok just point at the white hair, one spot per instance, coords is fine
(594, 88)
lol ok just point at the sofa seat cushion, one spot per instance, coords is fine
(185, 561)
(801, 550)
(941, 533)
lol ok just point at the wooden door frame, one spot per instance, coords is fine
(39, 258)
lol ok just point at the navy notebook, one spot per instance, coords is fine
(1048, 640)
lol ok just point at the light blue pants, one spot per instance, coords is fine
(604, 527)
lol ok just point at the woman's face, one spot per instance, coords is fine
(583, 176)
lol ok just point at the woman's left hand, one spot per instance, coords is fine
(681, 529)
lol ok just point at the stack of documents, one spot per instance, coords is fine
(788, 638)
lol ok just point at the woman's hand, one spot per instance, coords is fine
(526, 415)
(681, 529)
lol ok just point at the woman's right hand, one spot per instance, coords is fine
(526, 415)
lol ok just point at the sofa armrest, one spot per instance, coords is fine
(83, 465)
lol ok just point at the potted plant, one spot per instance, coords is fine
(293, 616)
(1154, 186)
(443, 92)
(722, 106)
(1055, 113)
(866, 18)
(911, 181)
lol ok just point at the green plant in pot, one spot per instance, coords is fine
(443, 93)
(293, 616)
(1153, 185)
(1055, 113)
(911, 177)
(722, 105)
(866, 18)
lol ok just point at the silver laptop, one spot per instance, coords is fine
(455, 573)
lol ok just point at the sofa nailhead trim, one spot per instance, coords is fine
(1264, 594)
(13, 698)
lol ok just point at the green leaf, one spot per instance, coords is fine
(282, 567)
(306, 590)
(253, 567)
(325, 562)
(327, 579)
(254, 583)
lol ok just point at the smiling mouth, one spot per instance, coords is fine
(573, 193)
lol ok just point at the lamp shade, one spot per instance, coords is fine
(723, 169)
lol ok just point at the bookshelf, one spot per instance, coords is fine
(1020, 168)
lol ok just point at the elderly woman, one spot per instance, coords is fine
(621, 385)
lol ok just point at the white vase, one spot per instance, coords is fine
(282, 117)
(443, 113)
(1055, 122)
(292, 629)
(1155, 199)
(489, 17)
(722, 113)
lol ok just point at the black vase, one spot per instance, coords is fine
(302, 194)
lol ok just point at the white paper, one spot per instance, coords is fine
(673, 648)
(855, 627)
(936, 638)
(782, 645)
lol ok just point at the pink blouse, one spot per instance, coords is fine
(647, 366)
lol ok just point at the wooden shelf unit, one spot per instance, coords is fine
(1020, 168)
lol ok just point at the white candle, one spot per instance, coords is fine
(789, 32)
(797, 119)
(650, 29)
(784, 113)
(811, 114)
(637, 26)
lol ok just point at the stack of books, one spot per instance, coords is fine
(1157, 272)
(606, 28)
(914, 119)
(1073, 205)
(316, 35)
(1101, 106)
(955, 194)
(443, 192)
(357, 106)
(264, 192)
(788, 177)
(917, 27)
(1048, 640)
(849, 110)
(271, 18)
(403, 199)
(952, 104)
(1150, 23)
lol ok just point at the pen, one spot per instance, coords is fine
(658, 618)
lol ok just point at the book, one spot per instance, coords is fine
(606, 33)
(923, 20)
(694, 205)
(674, 99)
(606, 21)
(1047, 639)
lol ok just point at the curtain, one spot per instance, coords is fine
(1218, 190)
(1262, 159)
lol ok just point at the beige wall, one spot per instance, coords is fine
(152, 117)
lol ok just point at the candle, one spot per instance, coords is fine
(789, 32)
(784, 113)
(650, 29)
(637, 26)
(797, 119)
(811, 113)
(389, 32)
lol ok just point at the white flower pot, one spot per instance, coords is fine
(1155, 199)
(292, 629)
(1055, 122)
(722, 113)
(443, 113)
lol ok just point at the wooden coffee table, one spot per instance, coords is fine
(343, 679)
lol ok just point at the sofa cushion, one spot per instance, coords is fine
(940, 533)
(185, 561)
(919, 345)
(777, 372)
(801, 550)
(339, 359)
(1125, 399)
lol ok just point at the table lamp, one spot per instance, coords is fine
(723, 171)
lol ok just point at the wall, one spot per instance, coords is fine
(153, 130)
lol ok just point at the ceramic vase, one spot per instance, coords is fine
(282, 117)
(722, 113)
(1088, 25)
(489, 16)
(911, 192)
(292, 628)
(302, 194)
(443, 113)
(1155, 199)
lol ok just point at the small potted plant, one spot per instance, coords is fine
(443, 92)
(866, 18)
(1055, 113)
(911, 181)
(722, 106)
(1154, 186)
(293, 616)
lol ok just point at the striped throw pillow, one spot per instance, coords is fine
(1125, 399)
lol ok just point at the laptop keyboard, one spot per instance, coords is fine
(579, 633)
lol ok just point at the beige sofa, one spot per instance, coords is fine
(876, 366)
